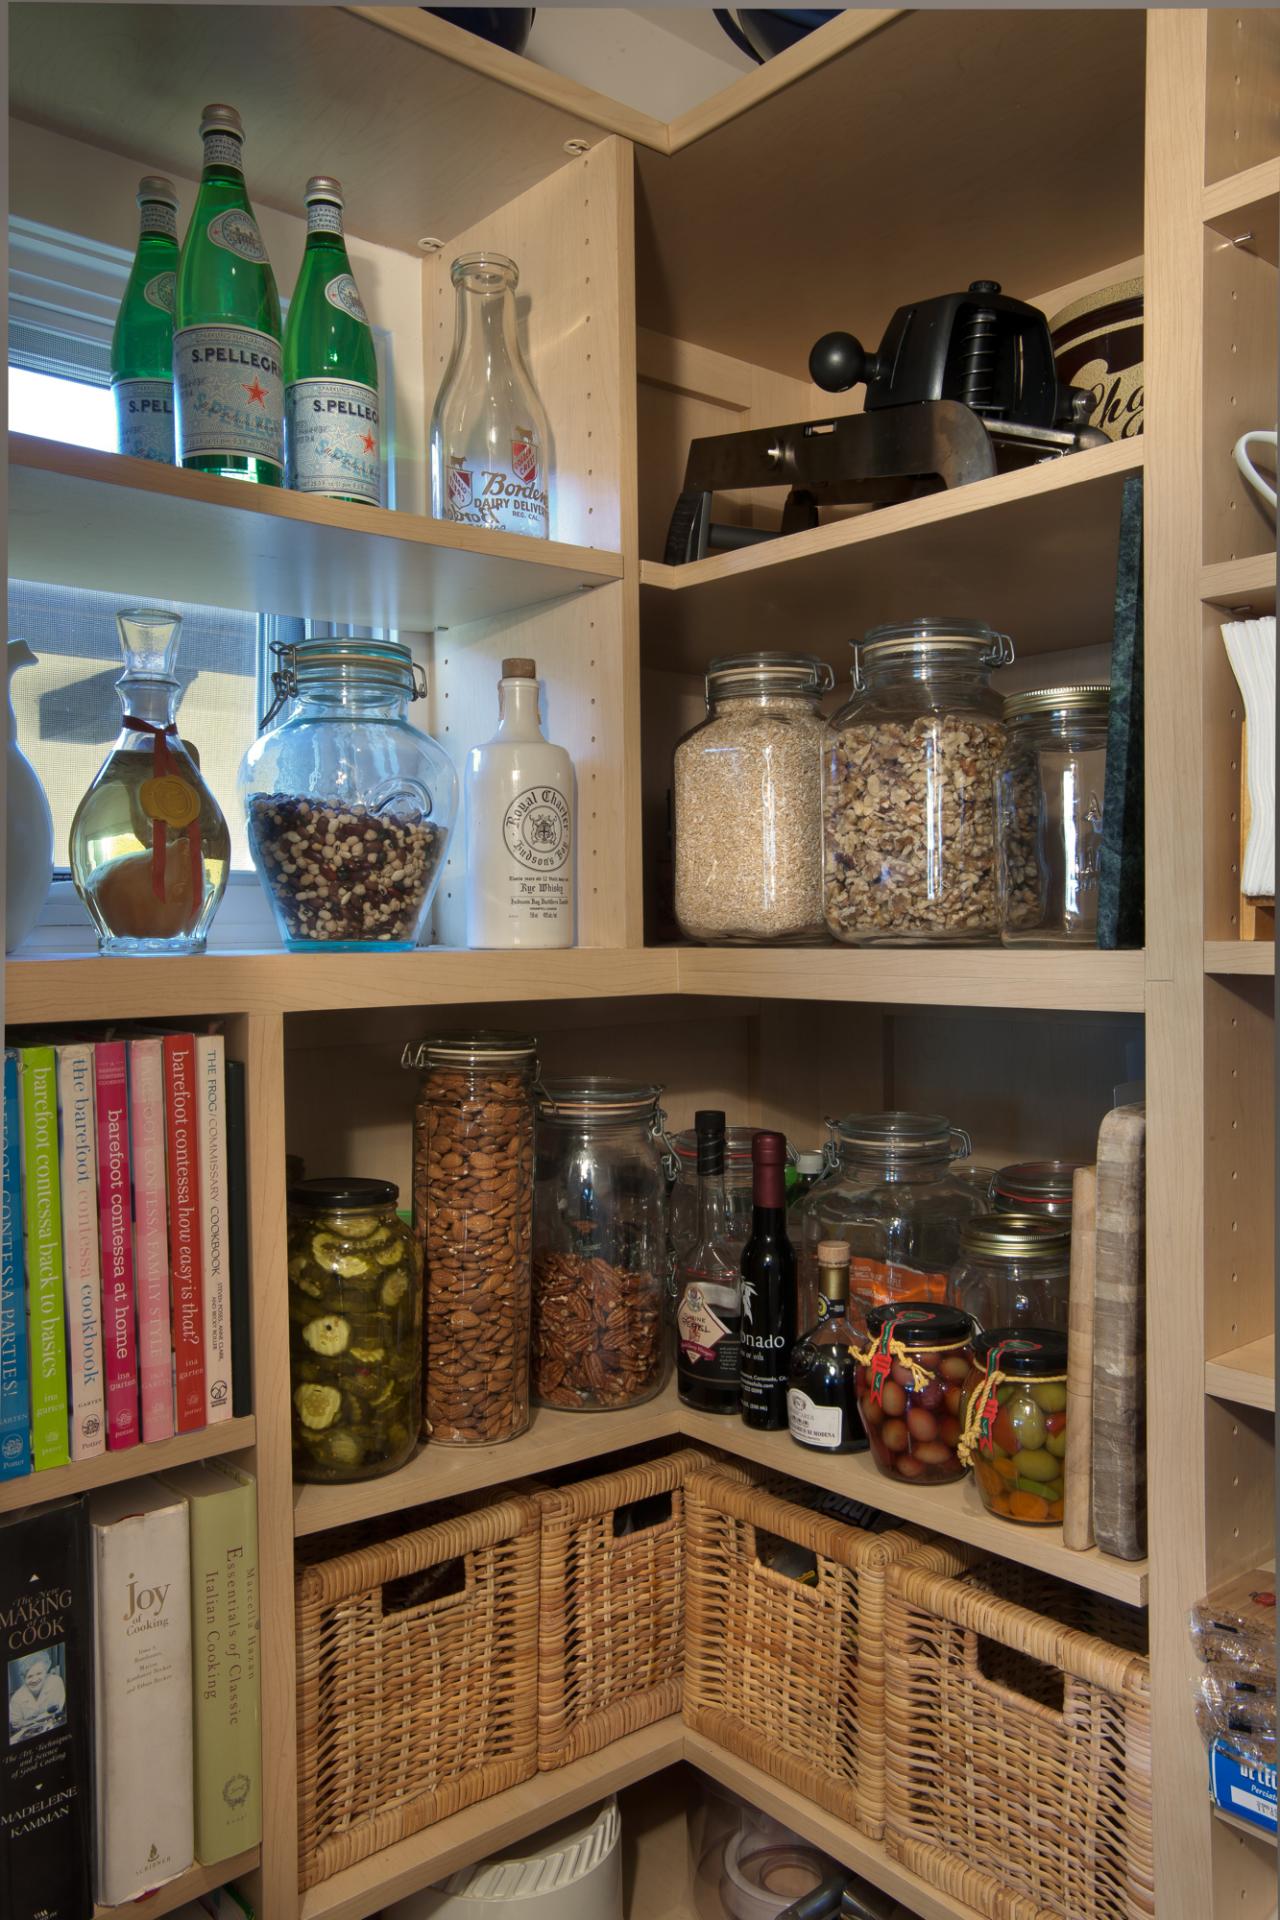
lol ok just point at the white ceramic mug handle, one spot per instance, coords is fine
(1246, 466)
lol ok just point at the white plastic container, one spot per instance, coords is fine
(572, 1871)
(520, 826)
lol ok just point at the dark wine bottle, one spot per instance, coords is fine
(768, 1291)
(709, 1287)
(822, 1405)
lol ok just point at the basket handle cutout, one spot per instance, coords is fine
(1009, 1671)
(638, 1516)
(428, 1587)
(785, 1558)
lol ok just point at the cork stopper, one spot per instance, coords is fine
(519, 670)
(833, 1253)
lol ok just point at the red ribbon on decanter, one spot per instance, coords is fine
(162, 760)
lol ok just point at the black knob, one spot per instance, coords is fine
(838, 362)
(984, 286)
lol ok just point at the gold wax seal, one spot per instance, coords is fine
(170, 799)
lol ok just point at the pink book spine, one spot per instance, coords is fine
(151, 1238)
(115, 1230)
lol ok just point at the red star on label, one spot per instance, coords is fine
(368, 443)
(257, 393)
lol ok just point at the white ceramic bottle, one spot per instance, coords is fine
(28, 828)
(520, 826)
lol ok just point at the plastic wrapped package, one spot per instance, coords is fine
(1239, 1711)
(1236, 1625)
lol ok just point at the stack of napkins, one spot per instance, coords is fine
(1251, 649)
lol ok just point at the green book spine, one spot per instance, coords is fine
(43, 1222)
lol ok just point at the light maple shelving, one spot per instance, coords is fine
(1151, 149)
(158, 1456)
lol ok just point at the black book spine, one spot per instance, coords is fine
(238, 1241)
(46, 1750)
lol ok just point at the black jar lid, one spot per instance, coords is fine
(343, 1194)
(1027, 1350)
(921, 1323)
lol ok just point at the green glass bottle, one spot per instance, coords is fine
(333, 440)
(142, 343)
(226, 342)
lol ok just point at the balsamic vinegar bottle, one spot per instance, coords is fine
(768, 1291)
(709, 1289)
(822, 1406)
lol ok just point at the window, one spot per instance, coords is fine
(54, 408)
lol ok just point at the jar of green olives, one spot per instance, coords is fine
(355, 1330)
(1015, 1422)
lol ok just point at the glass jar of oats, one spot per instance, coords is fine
(748, 804)
(909, 771)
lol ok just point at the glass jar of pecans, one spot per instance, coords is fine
(600, 1233)
(473, 1216)
(909, 812)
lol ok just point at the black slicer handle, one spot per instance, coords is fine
(838, 361)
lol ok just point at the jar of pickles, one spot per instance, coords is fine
(355, 1330)
(600, 1239)
(1013, 1271)
(1015, 1422)
(1040, 1187)
(909, 1385)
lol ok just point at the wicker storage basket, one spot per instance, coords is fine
(1019, 1744)
(418, 1698)
(786, 1674)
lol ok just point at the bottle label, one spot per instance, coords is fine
(514, 500)
(159, 291)
(334, 440)
(815, 1426)
(230, 394)
(144, 419)
(343, 293)
(237, 232)
(537, 829)
(223, 150)
(706, 1324)
(324, 217)
(158, 217)
(171, 799)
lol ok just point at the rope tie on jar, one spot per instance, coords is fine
(173, 804)
(879, 1359)
(984, 1403)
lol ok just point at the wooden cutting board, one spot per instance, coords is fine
(1077, 1520)
(1119, 1338)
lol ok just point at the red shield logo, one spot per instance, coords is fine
(524, 460)
(459, 487)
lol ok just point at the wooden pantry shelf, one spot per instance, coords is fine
(54, 1483)
(956, 1510)
(1248, 584)
(96, 987)
(1245, 210)
(79, 518)
(187, 1886)
(1084, 982)
(1033, 553)
(1240, 956)
(1246, 1375)
(492, 1824)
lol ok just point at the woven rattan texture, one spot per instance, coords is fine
(611, 1622)
(787, 1675)
(408, 1708)
(1018, 1744)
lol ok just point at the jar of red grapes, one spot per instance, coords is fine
(909, 1386)
(1015, 1422)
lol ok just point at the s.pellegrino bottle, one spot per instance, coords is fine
(227, 374)
(333, 440)
(489, 443)
(822, 1405)
(768, 1290)
(142, 343)
(708, 1289)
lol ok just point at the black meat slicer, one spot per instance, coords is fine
(961, 387)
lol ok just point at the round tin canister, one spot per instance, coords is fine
(1097, 343)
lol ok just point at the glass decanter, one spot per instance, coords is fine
(150, 849)
(490, 453)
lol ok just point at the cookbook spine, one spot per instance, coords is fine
(183, 1158)
(82, 1283)
(42, 1225)
(15, 1374)
(214, 1242)
(115, 1225)
(238, 1241)
(151, 1239)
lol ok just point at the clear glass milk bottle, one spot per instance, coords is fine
(490, 458)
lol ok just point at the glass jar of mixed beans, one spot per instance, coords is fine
(1015, 1422)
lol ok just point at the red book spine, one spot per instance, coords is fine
(182, 1141)
(115, 1234)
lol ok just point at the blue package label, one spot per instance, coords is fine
(1242, 1788)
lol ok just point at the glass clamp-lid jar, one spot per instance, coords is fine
(1013, 1271)
(909, 826)
(355, 1330)
(1015, 1422)
(600, 1233)
(682, 1197)
(909, 1386)
(349, 805)
(747, 804)
(1040, 1188)
(1051, 784)
(473, 1215)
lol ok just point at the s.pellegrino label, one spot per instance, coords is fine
(230, 393)
(144, 419)
(334, 439)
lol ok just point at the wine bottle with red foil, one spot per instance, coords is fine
(768, 1291)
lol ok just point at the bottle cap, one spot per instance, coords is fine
(769, 1149)
(833, 1253)
(153, 187)
(810, 1161)
(708, 1125)
(528, 670)
(221, 119)
(323, 186)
